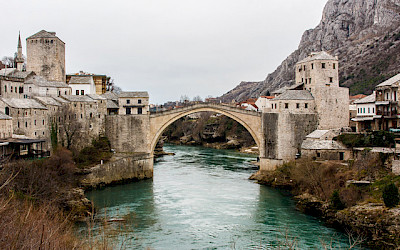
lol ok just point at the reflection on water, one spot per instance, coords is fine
(202, 198)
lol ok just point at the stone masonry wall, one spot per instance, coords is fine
(292, 130)
(128, 133)
(121, 168)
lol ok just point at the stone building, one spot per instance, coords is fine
(46, 56)
(82, 85)
(366, 111)
(101, 82)
(264, 103)
(318, 73)
(133, 103)
(39, 86)
(29, 116)
(112, 103)
(6, 126)
(387, 104)
(293, 101)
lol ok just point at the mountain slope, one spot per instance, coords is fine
(364, 34)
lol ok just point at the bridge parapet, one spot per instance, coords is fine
(222, 107)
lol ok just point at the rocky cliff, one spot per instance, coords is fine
(364, 34)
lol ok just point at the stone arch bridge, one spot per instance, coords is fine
(278, 135)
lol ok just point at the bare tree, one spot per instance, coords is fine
(197, 99)
(8, 61)
(69, 125)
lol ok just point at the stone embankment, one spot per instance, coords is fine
(371, 224)
(121, 168)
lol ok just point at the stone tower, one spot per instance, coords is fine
(319, 74)
(19, 60)
(46, 55)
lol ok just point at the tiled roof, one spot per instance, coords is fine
(322, 144)
(81, 80)
(96, 97)
(295, 95)
(43, 34)
(359, 96)
(369, 99)
(317, 133)
(78, 98)
(268, 97)
(23, 103)
(59, 99)
(390, 81)
(110, 95)
(112, 105)
(134, 94)
(322, 55)
(4, 116)
(47, 100)
(7, 71)
(42, 82)
(21, 74)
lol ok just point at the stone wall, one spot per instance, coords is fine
(332, 105)
(46, 57)
(396, 167)
(128, 133)
(121, 168)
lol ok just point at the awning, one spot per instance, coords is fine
(359, 119)
(382, 103)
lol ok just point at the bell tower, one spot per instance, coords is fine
(19, 59)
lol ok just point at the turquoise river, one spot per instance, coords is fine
(201, 198)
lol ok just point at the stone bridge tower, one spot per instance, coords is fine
(46, 55)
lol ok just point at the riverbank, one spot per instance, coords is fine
(361, 211)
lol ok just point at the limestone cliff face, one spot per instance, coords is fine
(364, 34)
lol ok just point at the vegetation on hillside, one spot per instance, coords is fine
(94, 154)
(209, 128)
(373, 139)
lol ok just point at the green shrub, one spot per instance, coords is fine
(336, 201)
(390, 195)
(92, 155)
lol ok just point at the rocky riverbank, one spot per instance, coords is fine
(364, 217)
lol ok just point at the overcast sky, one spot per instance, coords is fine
(167, 47)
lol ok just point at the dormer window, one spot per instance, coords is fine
(139, 101)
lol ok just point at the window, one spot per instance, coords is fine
(35, 122)
(26, 124)
(128, 101)
(77, 92)
(341, 156)
(334, 66)
(302, 79)
(43, 122)
(306, 105)
(304, 67)
(81, 116)
(18, 124)
(128, 111)
(272, 106)
(275, 105)
(82, 92)
(91, 115)
(369, 111)
(59, 92)
(7, 111)
(297, 105)
(286, 105)
(318, 154)
(65, 92)
(306, 80)
(309, 80)
(330, 79)
(5, 89)
(300, 69)
(373, 110)
(11, 89)
(364, 110)
(139, 101)
(139, 111)
(323, 65)
(312, 65)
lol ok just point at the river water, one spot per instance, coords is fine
(201, 198)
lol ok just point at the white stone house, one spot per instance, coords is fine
(82, 85)
(264, 103)
(366, 111)
(293, 101)
(133, 103)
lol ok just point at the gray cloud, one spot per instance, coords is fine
(168, 47)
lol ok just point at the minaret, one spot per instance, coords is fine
(19, 60)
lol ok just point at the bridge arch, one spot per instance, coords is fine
(250, 120)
